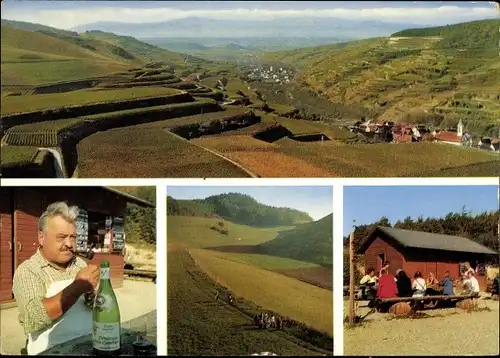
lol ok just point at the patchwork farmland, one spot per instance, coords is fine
(97, 104)
(210, 254)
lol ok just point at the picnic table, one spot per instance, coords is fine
(416, 302)
(144, 325)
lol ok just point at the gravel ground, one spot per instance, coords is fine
(442, 332)
(135, 299)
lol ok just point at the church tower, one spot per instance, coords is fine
(460, 129)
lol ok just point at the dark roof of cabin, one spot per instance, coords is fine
(130, 198)
(427, 240)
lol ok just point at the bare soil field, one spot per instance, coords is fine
(448, 331)
(317, 276)
(277, 165)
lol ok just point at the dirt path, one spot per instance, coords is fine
(443, 332)
(251, 174)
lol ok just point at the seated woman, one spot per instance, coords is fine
(386, 286)
(447, 284)
(432, 284)
(403, 284)
(419, 287)
(369, 285)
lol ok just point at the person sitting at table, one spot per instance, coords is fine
(419, 287)
(432, 284)
(447, 284)
(470, 284)
(386, 266)
(468, 269)
(369, 281)
(51, 288)
(403, 284)
(431, 280)
(386, 285)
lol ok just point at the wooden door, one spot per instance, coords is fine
(28, 208)
(6, 246)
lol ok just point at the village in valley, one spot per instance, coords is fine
(409, 133)
(429, 274)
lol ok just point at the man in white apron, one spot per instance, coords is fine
(52, 286)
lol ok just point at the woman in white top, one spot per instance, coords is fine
(419, 286)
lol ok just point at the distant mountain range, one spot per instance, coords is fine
(195, 27)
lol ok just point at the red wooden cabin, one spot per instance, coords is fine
(422, 251)
(21, 207)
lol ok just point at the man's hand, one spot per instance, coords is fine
(85, 282)
(89, 298)
(88, 278)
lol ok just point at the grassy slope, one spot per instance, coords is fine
(34, 58)
(266, 262)
(34, 54)
(20, 155)
(195, 232)
(418, 74)
(310, 242)
(18, 104)
(199, 326)
(281, 293)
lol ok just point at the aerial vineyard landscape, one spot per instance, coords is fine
(422, 102)
(231, 258)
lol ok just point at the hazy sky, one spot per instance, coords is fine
(317, 201)
(369, 204)
(67, 14)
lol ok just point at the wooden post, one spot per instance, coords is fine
(351, 279)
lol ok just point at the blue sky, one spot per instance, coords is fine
(67, 14)
(317, 201)
(369, 204)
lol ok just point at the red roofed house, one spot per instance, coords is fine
(450, 137)
(426, 252)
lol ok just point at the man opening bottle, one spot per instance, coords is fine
(53, 287)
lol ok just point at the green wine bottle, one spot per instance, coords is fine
(106, 331)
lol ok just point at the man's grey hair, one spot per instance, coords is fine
(60, 208)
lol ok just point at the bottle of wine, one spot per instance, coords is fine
(106, 332)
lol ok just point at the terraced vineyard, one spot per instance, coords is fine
(47, 138)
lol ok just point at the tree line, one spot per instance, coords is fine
(474, 34)
(237, 208)
(140, 222)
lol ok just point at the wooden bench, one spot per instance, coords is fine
(381, 304)
(141, 273)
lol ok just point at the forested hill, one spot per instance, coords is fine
(237, 208)
(474, 34)
(311, 242)
(482, 228)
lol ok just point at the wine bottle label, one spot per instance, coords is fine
(106, 336)
(103, 302)
(105, 273)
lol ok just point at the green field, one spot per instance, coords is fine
(276, 292)
(266, 262)
(20, 104)
(202, 260)
(184, 231)
(17, 155)
(204, 327)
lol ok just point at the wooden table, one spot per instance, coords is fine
(82, 346)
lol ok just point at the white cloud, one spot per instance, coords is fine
(66, 19)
